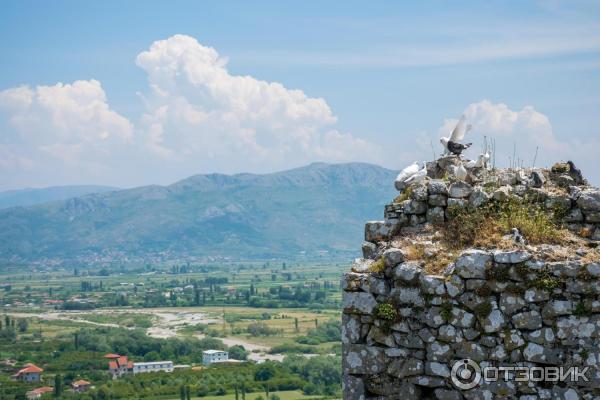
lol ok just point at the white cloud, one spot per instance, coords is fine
(198, 118)
(398, 42)
(528, 129)
(60, 134)
(198, 111)
(67, 121)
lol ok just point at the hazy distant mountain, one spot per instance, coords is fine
(317, 207)
(29, 197)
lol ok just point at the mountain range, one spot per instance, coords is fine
(29, 197)
(309, 210)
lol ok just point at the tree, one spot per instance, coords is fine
(238, 352)
(23, 325)
(182, 392)
(58, 385)
(265, 371)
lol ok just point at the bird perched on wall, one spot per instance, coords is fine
(406, 174)
(481, 161)
(575, 173)
(451, 144)
(419, 176)
(517, 237)
(460, 172)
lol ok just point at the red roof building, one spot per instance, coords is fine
(119, 365)
(81, 385)
(111, 356)
(30, 373)
(37, 393)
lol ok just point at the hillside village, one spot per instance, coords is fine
(495, 266)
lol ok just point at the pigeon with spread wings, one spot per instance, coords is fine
(451, 144)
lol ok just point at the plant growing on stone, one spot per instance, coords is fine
(546, 281)
(446, 311)
(535, 223)
(515, 289)
(386, 312)
(483, 291)
(522, 270)
(405, 195)
(581, 310)
(584, 354)
(415, 251)
(483, 310)
(486, 225)
(377, 266)
(499, 273)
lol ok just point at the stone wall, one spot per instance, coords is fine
(403, 330)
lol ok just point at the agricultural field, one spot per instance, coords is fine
(64, 320)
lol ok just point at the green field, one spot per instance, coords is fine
(65, 319)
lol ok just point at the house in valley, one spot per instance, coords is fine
(81, 385)
(30, 373)
(38, 393)
(214, 356)
(152, 366)
(121, 365)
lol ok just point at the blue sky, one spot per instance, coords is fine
(379, 83)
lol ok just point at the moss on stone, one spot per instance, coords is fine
(446, 311)
(483, 310)
(515, 289)
(483, 291)
(581, 310)
(500, 273)
(522, 270)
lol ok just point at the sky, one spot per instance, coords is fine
(146, 92)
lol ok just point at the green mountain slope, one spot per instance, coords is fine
(29, 197)
(314, 208)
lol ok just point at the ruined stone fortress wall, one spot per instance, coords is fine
(404, 330)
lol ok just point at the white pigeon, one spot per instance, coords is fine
(460, 172)
(482, 160)
(471, 164)
(407, 172)
(451, 144)
(419, 176)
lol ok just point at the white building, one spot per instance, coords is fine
(213, 356)
(154, 366)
